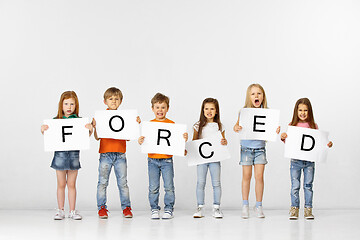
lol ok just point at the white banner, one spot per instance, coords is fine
(117, 124)
(206, 150)
(259, 124)
(306, 144)
(66, 134)
(163, 138)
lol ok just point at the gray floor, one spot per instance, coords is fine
(328, 224)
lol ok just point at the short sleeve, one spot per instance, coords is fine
(196, 126)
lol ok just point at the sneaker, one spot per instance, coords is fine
(259, 212)
(168, 214)
(308, 214)
(74, 214)
(245, 212)
(155, 214)
(59, 215)
(217, 212)
(103, 212)
(127, 212)
(199, 212)
(294, 213)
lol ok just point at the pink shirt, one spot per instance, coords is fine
(305, 125)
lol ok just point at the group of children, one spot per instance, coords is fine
(113, 154)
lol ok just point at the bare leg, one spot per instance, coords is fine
(246, 179)
(71, 184)
(61, 183)
(259, 181)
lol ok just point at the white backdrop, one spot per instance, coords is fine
(188, 50)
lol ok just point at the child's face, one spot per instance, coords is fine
(160, 110)
(209, 111)
(256, 96)
(113, 102)
(68, 106)
(302, 112)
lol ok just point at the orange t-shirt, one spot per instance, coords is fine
(112, 145)
(155, 155)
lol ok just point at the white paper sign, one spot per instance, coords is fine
(206, 150)
(163, 138)
(117, 124)
(66, 134)
(306, 144)
(259, 124)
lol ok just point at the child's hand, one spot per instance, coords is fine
(237, 128)
(330, 144)
(44, 128)
(93, 123)
(278, 130)
(185, 153)
(283, 136)
(141, 140)
(138, 119)
(223, 141)
(90, 127)
(186, 136)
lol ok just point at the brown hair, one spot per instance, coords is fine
(67, 95)
(160, 98)
(113, 91)
(203, 120)
(248, 103)
(310, 116)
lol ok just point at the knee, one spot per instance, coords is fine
(201, 184)
(259, 178)
(308, 186)
(71, 185)
(153, 189)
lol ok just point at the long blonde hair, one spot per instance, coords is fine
(248, 103)
(67, 95)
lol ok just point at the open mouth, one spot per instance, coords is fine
(257, 101)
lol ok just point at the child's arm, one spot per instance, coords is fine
(94, 126)
(141, 140)
(186, 136)
(44, 128)
(237, 127)
(278, 130)
(223, 140)
(90, 127)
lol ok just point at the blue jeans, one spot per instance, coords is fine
(252, 156)
(156, 167)
(295, 172)
(202, 170)
(106, 162)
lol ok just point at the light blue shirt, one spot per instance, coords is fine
(252, 143)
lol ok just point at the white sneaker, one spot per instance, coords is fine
(59, 215)
(74, 214)
(155, 214)
(245, 212)
(217, 212)
(259, 212)
(199, 212)
(168, 214)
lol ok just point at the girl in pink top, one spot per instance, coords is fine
(302, 117)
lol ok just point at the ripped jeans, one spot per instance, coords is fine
(295, 173)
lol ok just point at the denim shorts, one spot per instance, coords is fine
(66, 160)
(252, 156)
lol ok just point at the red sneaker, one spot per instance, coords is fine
(127, 212)
(103, 212)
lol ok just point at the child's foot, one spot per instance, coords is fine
(308, 214)
(245, 212)
(217, 212)
(59, 215)
(127, 212)
(294, 213)
(74, 214)
(155, 214)
(259, 212)
(103, 212)
(199, 212)
(168, 214)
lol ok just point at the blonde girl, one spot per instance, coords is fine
(302, 117)
(66, 163)
(208, 125)
(253, 154)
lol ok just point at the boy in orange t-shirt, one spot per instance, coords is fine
(161, 164)
(112, 154)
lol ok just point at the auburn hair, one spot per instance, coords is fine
(67, 95)
(203, 121)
